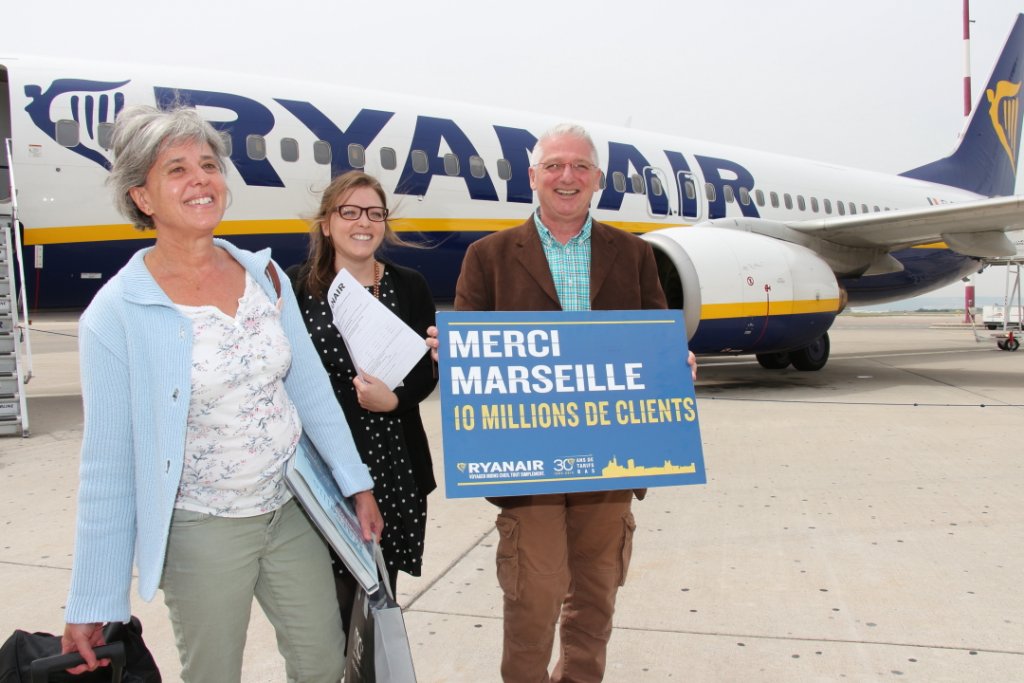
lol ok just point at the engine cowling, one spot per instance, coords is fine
(742, 292)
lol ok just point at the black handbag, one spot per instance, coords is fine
(35, 658)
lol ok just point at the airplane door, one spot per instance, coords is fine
(690, 202)
(656, 187)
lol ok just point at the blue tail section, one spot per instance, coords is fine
(986, 159)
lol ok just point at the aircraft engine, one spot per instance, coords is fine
(742, 292)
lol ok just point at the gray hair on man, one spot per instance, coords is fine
(573, 130)
(141, 132)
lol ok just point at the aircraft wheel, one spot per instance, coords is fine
(1012, 345)
(813, 356)
(1001, 345)
(773, 361)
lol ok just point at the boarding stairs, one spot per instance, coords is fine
(15, 350)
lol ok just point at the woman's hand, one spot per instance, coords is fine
(368, 514)
(373, 394)
(692, 362)
(82, 638)
(432, 342)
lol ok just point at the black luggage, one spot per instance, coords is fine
(35, 658)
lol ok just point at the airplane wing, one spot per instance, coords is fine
(976, 228)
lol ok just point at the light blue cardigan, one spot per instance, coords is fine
(136, 358)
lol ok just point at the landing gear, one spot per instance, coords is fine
(1011, 343)
(774, 361)
(813, 356)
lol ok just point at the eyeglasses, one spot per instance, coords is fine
(351, 212)
(556, 167)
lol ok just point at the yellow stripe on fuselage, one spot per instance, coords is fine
(758, 308)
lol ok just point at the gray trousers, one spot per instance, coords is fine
(214, 568)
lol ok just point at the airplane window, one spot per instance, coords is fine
(841, 208)
(476, 167)
(504, 169)
(775, 199)
(759, 195)
(709, 190)
(876, 208)
(289, 149)
(619, 181)
(863, 208)
(356, 156)
(814, 204)
(828, 205)
(800, 203)
(744, 196)
(256, 147)
(104, 132)
(388, 159)
(729, 196)
(787, 200)
(656, 189)
(451, 164)
(67, 133)
(853, 208)
(419, 161)
(602, 181)
(228, 147)
(322, 152)
(638, 184)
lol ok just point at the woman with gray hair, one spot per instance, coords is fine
(198, 378)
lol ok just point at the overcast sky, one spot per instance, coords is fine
(874, 84)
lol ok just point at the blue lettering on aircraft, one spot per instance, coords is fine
(680, 170)
(516, 145)
(712, 168)
(427, 137)
(620, 157)
(252, 119)
(363, 130)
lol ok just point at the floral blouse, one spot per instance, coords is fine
(242, 427)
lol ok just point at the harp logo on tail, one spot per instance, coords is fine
(1004, 110)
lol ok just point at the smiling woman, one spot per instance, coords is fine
(197, 379)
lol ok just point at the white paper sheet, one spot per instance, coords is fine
(378, 341)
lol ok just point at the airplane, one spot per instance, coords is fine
(761, 251)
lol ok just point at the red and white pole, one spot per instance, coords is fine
(967, 58)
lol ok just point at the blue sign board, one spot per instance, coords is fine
(558, 402)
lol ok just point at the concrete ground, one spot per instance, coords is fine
(859, 523)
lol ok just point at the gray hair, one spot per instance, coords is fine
(572, 130)
(141, 132)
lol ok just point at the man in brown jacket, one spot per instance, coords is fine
(563, 553)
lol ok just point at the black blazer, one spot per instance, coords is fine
(416, 308)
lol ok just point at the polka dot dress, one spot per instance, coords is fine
(378, 436)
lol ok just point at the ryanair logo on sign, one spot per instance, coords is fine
(1004, 110)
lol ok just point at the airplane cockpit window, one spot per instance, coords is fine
(775, 199)
(814, 204)
(476, 167)
(356, 155)
(744, 196)
(504, 169)
(729, 196)
(289, 149)
(759, 197)
(322, 152)
(451, 164)
(226, 139)
(104, 134)
(828, 205)
(388, 159)
(419, 161)
(841, 208)
(67, 133)
(800, 203)
(637, 183)
(787, 200)
(256, 147)
(619, 181)
(709, 191)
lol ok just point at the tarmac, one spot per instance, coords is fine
(859, 523)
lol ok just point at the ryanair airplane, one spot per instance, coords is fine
(761, 251)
